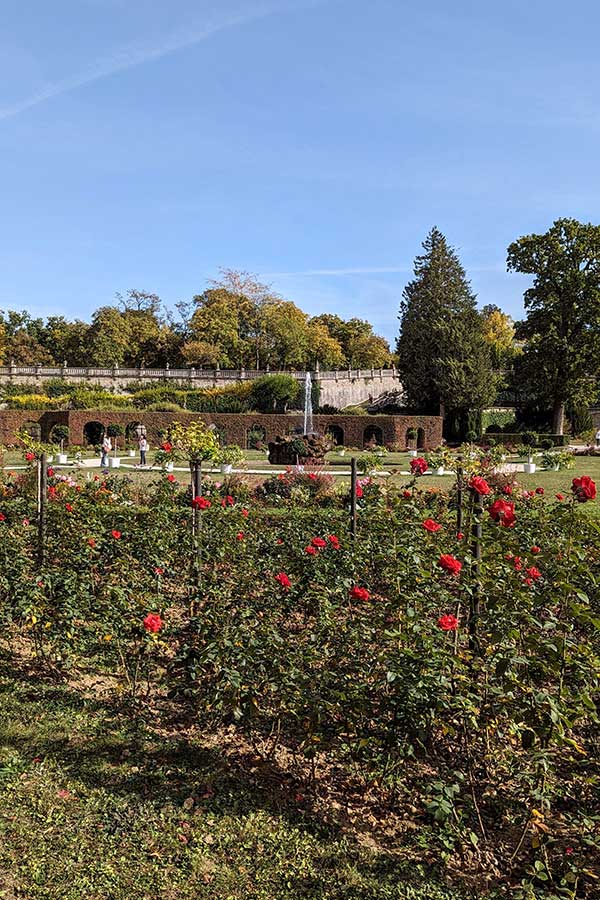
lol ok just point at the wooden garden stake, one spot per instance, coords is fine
(475, 598)
(353, 484)
(42, 501)
(459, 497)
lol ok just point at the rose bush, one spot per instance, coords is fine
(401, 653)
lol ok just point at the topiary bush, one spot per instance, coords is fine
(275, 393)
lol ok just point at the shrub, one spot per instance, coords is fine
(87, 398)
(328, 410)
(274, 393)
(529, 439)
(59, 434)
(164, 406)
(354, 411)
(33, 401)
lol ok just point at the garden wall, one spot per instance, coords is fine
(342, 387)
(352, 431)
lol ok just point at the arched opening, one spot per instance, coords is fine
(420, 439)
(256, 437)
(93, 432)
(373, 435)
(33, 429)
(336, 433)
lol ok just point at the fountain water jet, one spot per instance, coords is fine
(308, 407)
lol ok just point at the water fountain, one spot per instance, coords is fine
(308, 407)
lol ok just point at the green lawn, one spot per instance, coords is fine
(95, 806)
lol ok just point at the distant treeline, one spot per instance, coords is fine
(236, 321)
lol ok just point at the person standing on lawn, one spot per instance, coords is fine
(106, 448)
(143, 450)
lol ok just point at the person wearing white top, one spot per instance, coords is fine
(143, 450)
(598, 438)
(106, 448)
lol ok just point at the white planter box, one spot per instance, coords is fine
(131, 454)
(440, 470)
(412, 452)
(529, 468)
(226, 468)
(114, 462)
(61, 459)
(49, 458)
(169, 467)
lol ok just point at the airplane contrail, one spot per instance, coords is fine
(136, 54)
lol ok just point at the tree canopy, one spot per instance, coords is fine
(561, 332)
(443, 359)
(235, 322)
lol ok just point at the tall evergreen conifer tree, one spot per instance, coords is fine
(443, 360)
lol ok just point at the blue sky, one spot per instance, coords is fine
(146, 143)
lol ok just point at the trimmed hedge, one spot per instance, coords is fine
(516, 437)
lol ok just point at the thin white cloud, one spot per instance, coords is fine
(139, 53)
(371, 270)
(375, 270)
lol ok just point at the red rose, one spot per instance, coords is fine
(535, 549)
(584, 489)
(503, 512)
(460, 536)
(448, 623)
(245, 513)
(91, 542)
(201, 503)
(166, 446)
(50, 472)
(2, 517)
(312, 551)
(407, 495)
(359, 491)
(359, 593)
(517, 563)
(539, 490)
(68, 507)
(450, 563)
(171, 479)
(158, 570)
(283, 580)
(318, 542)
(418, 466)
(480, 485)
(507, 489)
(116, 534)
(153, 623)
(29, 456)
(240, 536)
(560, 496)
(334, 541)
(430, 525)
(533, 573)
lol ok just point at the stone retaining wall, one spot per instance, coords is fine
(342, 387)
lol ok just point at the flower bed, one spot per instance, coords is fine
(459, 673)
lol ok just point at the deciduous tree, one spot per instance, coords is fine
(562, 328)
